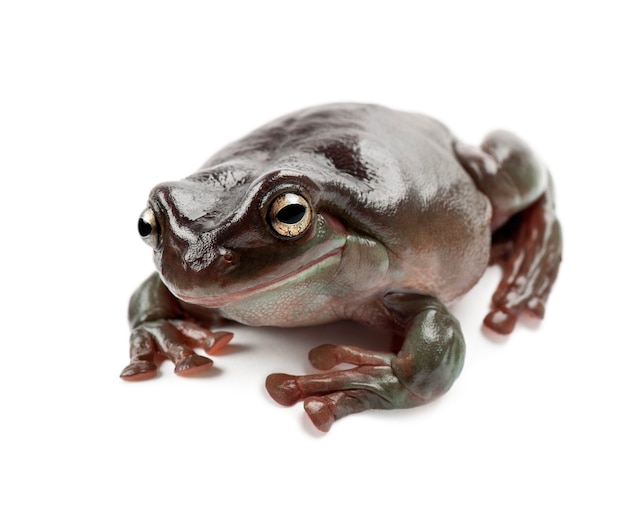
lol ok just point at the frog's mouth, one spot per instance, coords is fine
(282, 282)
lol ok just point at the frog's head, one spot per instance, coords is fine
(220, 238)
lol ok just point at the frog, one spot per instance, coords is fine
(346, 211)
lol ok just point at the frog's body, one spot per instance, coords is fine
(346, 211)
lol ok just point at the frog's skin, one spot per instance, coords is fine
(337, 212)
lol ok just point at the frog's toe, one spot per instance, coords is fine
(538, 307)
(171, 342)
(139, 370)
(500, 321)
(323, 411)
(325, 357)
(283, 389)
(199, 336)
(216, 341)
(191, 365)
(320, 410)
(142, 356)
(333, 395)
(287, 389)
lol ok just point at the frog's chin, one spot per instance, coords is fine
(282, 281)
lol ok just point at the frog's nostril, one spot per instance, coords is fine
(228, 256)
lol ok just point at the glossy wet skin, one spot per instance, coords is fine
(341, 212)
(217, 247)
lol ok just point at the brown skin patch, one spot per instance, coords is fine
(344, 155)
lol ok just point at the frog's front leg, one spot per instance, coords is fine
(427, 364)
(160, 327)
(527, 241)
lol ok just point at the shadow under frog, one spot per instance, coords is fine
(346, 212)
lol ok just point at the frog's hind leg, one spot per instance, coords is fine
(527, 241)
(528, 248)
(430, 359)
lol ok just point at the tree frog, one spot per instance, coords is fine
(345, 212)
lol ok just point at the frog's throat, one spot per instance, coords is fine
(297, 275)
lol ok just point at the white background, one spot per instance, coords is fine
(101, 100)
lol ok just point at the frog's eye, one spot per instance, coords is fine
(289, 215)
(148, 228)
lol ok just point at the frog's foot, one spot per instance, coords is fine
(173, 339)
(372, 384)
(528, 249)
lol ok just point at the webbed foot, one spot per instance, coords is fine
(527, 243)
(426, 365)
(175, 340)
(372, 384)
(528, 249)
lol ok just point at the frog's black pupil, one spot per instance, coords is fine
(291, 214)
(145, 228)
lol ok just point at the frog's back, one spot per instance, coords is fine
(389, 175)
